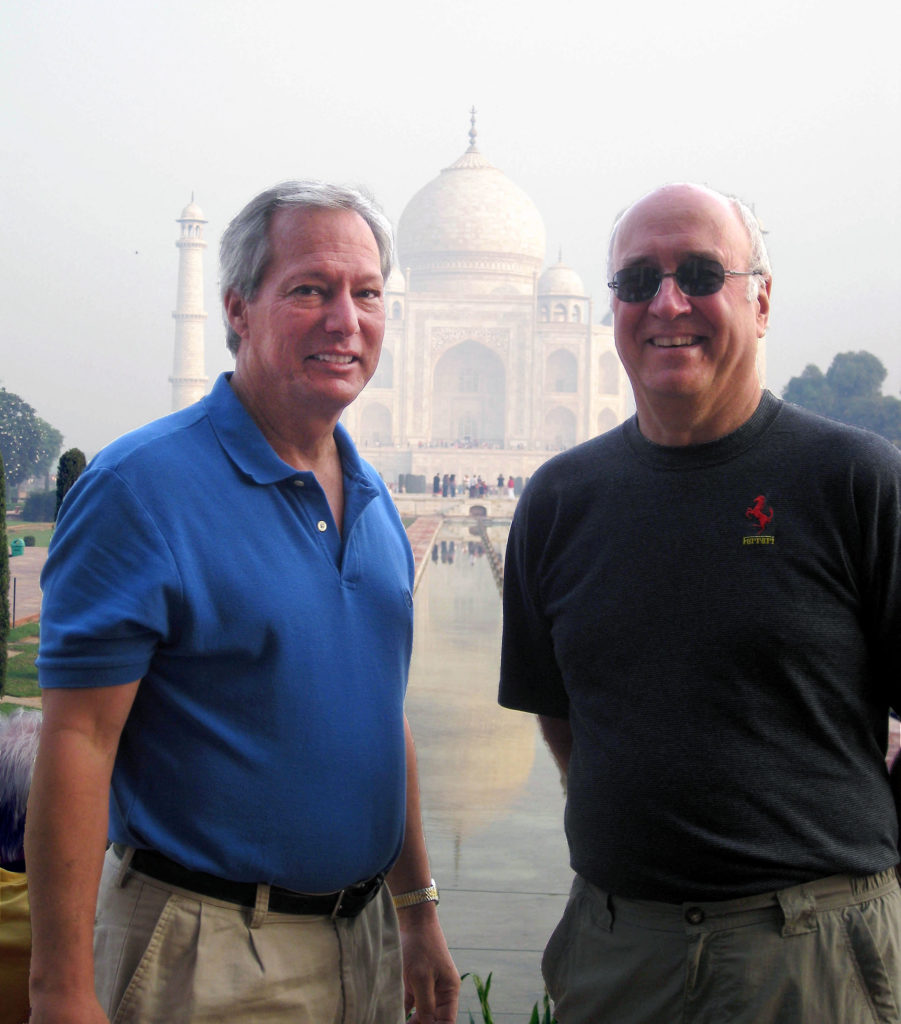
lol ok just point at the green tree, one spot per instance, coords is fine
(71, 465)
(855, 375)
(28, 444)
(4, 581)
(850, 391)
(811, 390)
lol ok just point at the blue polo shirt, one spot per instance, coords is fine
(266, 739)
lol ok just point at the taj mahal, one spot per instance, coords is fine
(491, 361)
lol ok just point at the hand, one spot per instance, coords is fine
(431, 980)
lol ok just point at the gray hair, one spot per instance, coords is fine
(245, 249)
(19, 734)
(759, 259)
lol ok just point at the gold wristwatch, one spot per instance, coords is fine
(410, 899)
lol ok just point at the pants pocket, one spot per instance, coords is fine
(870, 930)
(152, 993)
(556, 958)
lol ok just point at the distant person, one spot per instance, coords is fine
(436, 484)
(225, 641)
(19, 734)
(703, 606)
(511, 487)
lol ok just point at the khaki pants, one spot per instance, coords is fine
(168, 956)
(828, 952)
(15, 947)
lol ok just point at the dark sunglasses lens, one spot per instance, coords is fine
(636, 284)
(700, 276)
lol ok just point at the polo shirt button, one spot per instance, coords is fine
(322, 526)
(298, 483)
(694, 915)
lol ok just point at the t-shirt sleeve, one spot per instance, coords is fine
(530, 677)
(881, 568)
(110, 587)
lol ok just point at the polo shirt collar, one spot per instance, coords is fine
(244, 443)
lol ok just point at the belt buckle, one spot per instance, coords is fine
(338, 903)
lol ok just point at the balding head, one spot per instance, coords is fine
(686, 193)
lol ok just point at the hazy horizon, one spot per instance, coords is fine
(116, 115)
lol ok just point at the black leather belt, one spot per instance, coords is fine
(345, 903)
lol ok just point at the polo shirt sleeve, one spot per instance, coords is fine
(111, 588)
(530, 677)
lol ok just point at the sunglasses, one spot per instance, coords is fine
(697, 276)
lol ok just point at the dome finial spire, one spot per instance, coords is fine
(472, 130)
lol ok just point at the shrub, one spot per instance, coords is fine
(71, 465)
(540, 1015)
(39, 507)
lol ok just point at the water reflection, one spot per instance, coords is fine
(491, 796)
(474, 755)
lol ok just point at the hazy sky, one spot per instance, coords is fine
(115, 112)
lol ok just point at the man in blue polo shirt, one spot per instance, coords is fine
(226, 633)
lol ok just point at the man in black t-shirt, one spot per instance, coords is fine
(703, 608)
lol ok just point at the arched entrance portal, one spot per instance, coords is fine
(375, 425)
(560, 428)
(468, 398)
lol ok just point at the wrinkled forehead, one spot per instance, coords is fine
(680, 221)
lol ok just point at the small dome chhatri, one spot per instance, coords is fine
(561, 279)
(395, 281)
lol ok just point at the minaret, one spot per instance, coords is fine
(189, 380)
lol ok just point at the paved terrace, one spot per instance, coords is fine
(24, 585)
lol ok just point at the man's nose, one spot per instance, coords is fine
(670, 301)
(341, 315)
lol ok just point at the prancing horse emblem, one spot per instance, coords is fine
(756, 512)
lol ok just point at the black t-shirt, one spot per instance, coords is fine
(720, 624)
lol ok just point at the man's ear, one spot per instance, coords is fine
(236, 312)
(763, 305)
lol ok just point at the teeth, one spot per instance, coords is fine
(673, 342)
(329, 358)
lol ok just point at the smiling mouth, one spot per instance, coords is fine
(328, 357)
(681, 342)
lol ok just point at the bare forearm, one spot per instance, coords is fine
(411, 871)
(431, 981)
(559, 738)
(64, 846)
(65, 840)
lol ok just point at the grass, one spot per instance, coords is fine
(21, 673)
(42, 532)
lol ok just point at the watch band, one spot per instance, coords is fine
(409, 899)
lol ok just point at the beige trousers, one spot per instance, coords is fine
(828, 952)
(168, 956)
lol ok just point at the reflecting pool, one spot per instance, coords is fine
(491, 795)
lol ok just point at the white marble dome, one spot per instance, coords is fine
(471, 229)
(561, 279)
